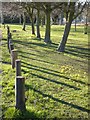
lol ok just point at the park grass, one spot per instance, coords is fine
(56, 84)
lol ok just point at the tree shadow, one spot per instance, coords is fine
(54, 45)
(4, 39)
(27, 114)
(84, 62)
(51, 80)
(27, 53)
(38, 39)
(5, 62)
(21, 42)
(71, 43)
(59, 30)
(78, 51)
(30, 115)
(50, 71)
(72, 34)
(57, 100)
(33, 67)
(37, 59)
(78, 30)
(55, 81)
(28, 64)
(32, 44)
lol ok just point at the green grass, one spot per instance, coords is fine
(56, 84)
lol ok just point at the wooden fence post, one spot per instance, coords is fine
(8, 41)
(11, 47)
(4, 25)
(18, 67)
(13, 57)
(9, 38)
(20, 93)
(8, 30)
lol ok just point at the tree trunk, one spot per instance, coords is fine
(42, 20)
(48, 28)
(38, 25)
(24, 22)
(20, 19)
(75, 25)
(32, 24)
(61, 47)
(61, 18)
(86, 25)
(69, 20)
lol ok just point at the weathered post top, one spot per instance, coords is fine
(13, 57)
(20, 93)
(15, 50)
(8, 30)
(10, 36)
(18, 67)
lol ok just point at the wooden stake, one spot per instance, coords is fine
(9, 38)
(18, 67)
(8, 30)
(11, 47)
(20, 93)
(13, 57)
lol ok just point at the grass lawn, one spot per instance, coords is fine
(56, 84)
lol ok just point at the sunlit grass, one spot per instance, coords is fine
(56, 84)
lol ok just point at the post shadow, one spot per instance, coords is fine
(57, 100)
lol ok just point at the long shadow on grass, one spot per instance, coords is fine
(49, 71)
(57, 82)
(51, 80)
(31, 115)
(29, 53)
(38, 67)
(78, 51)
(5, 62)
(79, 30)
(24, 115)
(58, 30)
(36, 59)
(4, 39)
(57, 100)
(29, 44)
(25, 43)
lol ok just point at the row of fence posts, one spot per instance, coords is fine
(19, 80)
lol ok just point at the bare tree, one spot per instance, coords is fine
(11, 9)
(48, 8)
(38, 24)
(30, 11)
(70, 16)
(24, 21)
